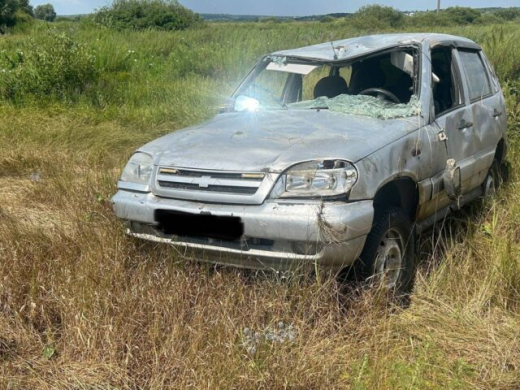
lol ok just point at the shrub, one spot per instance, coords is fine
(428, 19)
(490, 18)
(45, 12)
(56, 66)
(271, 19)
(377, 16)
(508, 13)
(462, 15)
(147, 14)
(327, 19)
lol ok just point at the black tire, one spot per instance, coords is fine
(492, 181)
(391, 227)
(505, 172)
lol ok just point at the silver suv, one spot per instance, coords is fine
(326, 156)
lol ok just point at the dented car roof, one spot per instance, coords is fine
(354, 47)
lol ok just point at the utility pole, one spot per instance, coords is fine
(438, 6)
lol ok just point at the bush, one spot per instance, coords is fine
(54, 66)
(508, 13)
(328, 19)
(462, 15)
(428, 19)
(377, 17)
(147, 14)
(45, 12)
(490, 18)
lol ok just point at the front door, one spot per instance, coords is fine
(454, 115)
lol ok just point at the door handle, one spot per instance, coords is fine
(464, 124)
(496, 113)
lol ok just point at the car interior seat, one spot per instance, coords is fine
(330, 86)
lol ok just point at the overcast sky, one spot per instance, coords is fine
(280, 7)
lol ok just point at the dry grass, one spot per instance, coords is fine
(84, 307)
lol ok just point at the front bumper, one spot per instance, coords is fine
(278, 234)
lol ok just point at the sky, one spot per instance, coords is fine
(281, 7)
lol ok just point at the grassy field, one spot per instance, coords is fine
(84, 307)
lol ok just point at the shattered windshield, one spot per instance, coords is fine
(380, 86)
(362, 105)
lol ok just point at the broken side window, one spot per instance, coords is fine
(446, 85)
(476, 74)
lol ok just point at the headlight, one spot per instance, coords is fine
(246, 103)
(138, 170)
(319, 178)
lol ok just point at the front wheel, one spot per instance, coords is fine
(388, 258)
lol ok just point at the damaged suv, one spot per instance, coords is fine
(327, 156)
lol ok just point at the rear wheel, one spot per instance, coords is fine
(492, 181)
(388, 258)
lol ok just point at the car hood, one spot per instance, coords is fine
(274, 140)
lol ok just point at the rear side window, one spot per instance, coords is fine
(476, 74)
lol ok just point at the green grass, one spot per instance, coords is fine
(84, 307)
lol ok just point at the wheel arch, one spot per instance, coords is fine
(501, 151)
(402, 192)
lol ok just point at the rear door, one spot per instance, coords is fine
(458, 125)
(487, 107)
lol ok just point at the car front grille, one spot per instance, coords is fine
(209, 181)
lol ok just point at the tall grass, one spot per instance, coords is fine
(82, 306)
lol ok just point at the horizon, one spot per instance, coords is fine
(279, 8)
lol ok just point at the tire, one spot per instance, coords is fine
(505, 172)
(388, 258)
(492, 181)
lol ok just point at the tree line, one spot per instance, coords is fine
(170, 15)
(20, 11)
(121, 14)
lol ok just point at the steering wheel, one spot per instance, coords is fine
(379, 93)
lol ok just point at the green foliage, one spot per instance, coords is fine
(327, 19)
(462, 15)
(26, 7)
(508, 13)
(8, 10)
(271, 19)
(147, 14)
(377, 16)
(140, 75)
(54, 65)
(45, 12)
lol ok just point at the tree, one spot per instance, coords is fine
(8, 10)
(45, 12)
(26, 7)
